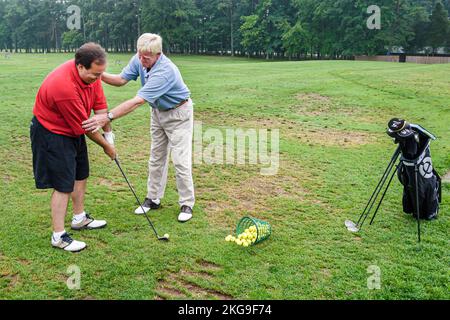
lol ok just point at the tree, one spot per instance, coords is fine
(269, 28)
(439, 27)
(173, 20)
(420, 24)
(72, 39)
(265, 28)
(251, 33)
(295, 39)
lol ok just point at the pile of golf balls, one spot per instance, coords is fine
(246, 238)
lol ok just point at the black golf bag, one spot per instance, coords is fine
(421, 183)
(416, 167)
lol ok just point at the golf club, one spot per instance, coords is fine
(384, 193)
(355, 227)
(164, 238)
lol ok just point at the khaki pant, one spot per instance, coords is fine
(172, 133)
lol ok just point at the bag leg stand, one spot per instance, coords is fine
(417, 199)
(384, 193)
(355, 227)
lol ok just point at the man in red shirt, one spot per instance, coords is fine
(65, 99)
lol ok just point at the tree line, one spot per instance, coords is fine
(263, 28)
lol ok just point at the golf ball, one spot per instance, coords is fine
(166, 235)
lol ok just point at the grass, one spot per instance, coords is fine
(331, 116)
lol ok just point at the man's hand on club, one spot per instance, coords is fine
(95, 122)
(110, 150)
(109, 136)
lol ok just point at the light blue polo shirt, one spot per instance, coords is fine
(162, 86)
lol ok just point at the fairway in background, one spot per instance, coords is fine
(332, 117)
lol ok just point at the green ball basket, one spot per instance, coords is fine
(263, 228)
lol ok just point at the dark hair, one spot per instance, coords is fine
(88, 53)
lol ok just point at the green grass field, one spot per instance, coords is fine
(331, 116)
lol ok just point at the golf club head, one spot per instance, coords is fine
(354, 228)
(349, 223)
(163, 238)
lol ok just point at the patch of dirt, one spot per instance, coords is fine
(446, 178)
(332, 137)
(313, 97)
(326, 273)
(7, 178)
(108, 183)
(209, 265)
(250, 194)
(288, 129)
(204, 293)
(24, 262)
(192, 274)
(168, 287)
(165, 291)
(314, 104)
(12, 279)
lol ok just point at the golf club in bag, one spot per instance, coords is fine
(421, 183)
(165, 238)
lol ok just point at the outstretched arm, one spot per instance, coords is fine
(114, 79)
(100, 120)
(107, 127)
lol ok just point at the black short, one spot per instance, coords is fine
(57, 160)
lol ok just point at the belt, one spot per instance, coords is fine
(181, 103)
(176, 106)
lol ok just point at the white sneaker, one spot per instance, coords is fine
(147, 205)
(88, 223)
(185, 214)
(68, 244)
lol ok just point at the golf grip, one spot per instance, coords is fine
(134, 193)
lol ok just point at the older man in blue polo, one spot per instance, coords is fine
(171, 120)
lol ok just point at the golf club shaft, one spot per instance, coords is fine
(380, 184)
(382, 197)
(134, 193)
(376, 195)
(379, 187)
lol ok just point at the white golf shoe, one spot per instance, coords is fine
(148, 204)
(68, 244)
(88, 223)
(185, 214)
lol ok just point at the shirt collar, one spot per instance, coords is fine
(77, 78)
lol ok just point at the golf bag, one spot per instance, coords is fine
(421, 183)
(415, 163)
(429, 185)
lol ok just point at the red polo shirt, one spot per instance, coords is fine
(64, 101)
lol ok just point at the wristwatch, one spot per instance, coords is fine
(110, 116)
